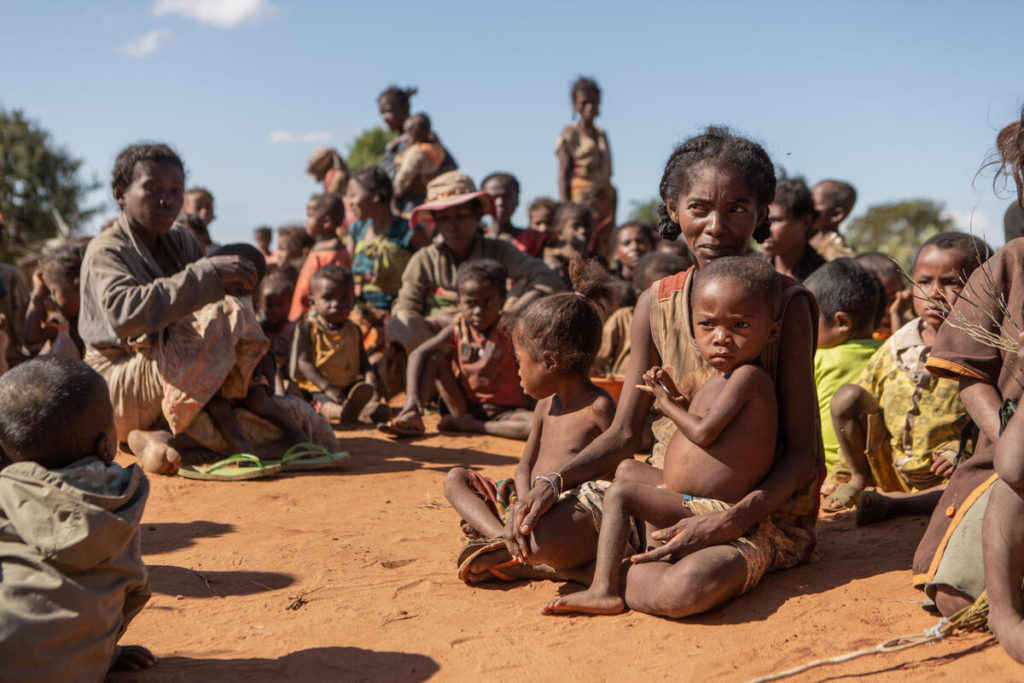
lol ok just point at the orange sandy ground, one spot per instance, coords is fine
(350, 575)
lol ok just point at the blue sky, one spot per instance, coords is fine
(903, 99)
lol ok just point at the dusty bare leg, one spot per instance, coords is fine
(694, 584)
(1003, 544)
(224, 418)
(564, 540)
(850, 405)
(425, 384)
(154, 451)
(263, 404)
(875, 507)
(468, 504)
(639, 473)
(660, 506)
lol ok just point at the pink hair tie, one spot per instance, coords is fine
(580, 295)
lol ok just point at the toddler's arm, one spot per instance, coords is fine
(524, 470)
(704, 430)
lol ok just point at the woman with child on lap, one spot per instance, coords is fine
(717, 188)
(149, 328)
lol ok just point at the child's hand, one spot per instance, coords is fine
(942, 465)
(659, 383)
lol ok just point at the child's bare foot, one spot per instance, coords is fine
(154, 451)
(461, 423)
(132, 658)
(358, 396)
(407, 423)
(586, 602)
(872, 507)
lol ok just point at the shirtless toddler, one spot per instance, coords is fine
(726, 439)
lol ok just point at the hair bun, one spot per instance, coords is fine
(668, 229)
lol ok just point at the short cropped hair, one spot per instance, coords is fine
(655, 266)
(756, 279)
(331, 204)
(503, 178)
(880, 263)
(124, 164)
(976, 249)
(249, 253)
(484, 271)
(843, 285)
(53, 409)
(63, 266)
(277, 284)
(339, 275)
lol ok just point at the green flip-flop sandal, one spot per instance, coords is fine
(239, 467)
(309, 456)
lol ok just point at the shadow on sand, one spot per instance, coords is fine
(191, 583)
(166, 536)
(314, 664)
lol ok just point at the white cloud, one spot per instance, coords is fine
(971, 221)
(287, 137)
(219, 13)
(146, 44)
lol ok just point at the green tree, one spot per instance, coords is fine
(40, 182)
(897, 228)
(368, 148)
(644, 212)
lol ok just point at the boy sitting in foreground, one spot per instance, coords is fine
(71, 572)
(726, 439)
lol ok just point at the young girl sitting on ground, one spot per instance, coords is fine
(471, 364)
(726, 439)
(901, 428)
(52, 313)
(555, 340)
(330, 365)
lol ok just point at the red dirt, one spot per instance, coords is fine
(351, 575)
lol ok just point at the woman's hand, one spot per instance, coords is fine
(235, 272)
(689, 535)
(525, 515)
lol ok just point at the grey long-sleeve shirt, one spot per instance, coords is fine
(125, 294)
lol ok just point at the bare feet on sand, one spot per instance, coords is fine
(154, 451)
(586, 602)
(132, 658)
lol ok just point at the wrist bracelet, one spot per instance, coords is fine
(561, 482)
(554, 487)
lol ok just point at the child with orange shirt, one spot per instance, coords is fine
(325, 213)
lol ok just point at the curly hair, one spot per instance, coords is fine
(719, 146)
(844, 285)
(503, 178)
(567, 325)
(401, 95)
(974, 248)
(755, 278)
(483, 271)
(127, 158)
(63, 265)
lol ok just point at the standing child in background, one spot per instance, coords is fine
(52, 314)
(71, 571)
(726, 440)
(585, 164)
(504, 190)
(613, 356)
(569, 235)
(542, 214)
(848, 297)
(261, 237)
(199, 201)
(324, 215)
(833, 200)
(630, 242)
(418, 163)
(277, 293)
(555, 339)
(901, 428)
(898, 302)
(330, 363)
(471, 364)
